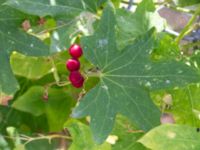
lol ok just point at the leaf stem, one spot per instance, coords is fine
(187, 28)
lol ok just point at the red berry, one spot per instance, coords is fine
(76, 79)
(75, 51)
(78, 84)
(73, 64)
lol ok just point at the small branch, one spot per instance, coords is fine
(42, 137)
(60, 84)
(50, 137)
(14, 138)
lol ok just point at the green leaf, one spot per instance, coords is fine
(116, 3)
(125, 77)
(8, 83)
(127, 135)
(61, 38)
(25, 122)
(47, 8)
(195, 60)
(185, 105)
(166, 48)
(183, 3)
(20, 147)
(30, 67)
(12, 38)
(43, 145)
(176, 137)
(56, 108)
(64, 8)
(3, 144)
(131, 25)
(82, 137)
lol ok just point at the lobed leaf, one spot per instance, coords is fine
(125, 77)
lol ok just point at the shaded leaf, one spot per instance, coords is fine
(12, 38)
(43, 145)
(25, 122)
(56, 107)
(127, 135)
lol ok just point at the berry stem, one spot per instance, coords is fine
(54, 71)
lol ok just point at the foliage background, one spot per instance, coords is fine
(139, 63)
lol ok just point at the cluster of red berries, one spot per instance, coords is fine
(73, 65)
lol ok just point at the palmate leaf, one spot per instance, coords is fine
(125, 77)
(176, 137)
(12, 38)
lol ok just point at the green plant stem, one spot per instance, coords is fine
(31, 139)
(187, 28)
(55, 72)
(63, 83)
(49, 138)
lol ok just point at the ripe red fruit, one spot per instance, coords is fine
(73, 64)
(79, 84)
(75, 51)
(76, 79)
